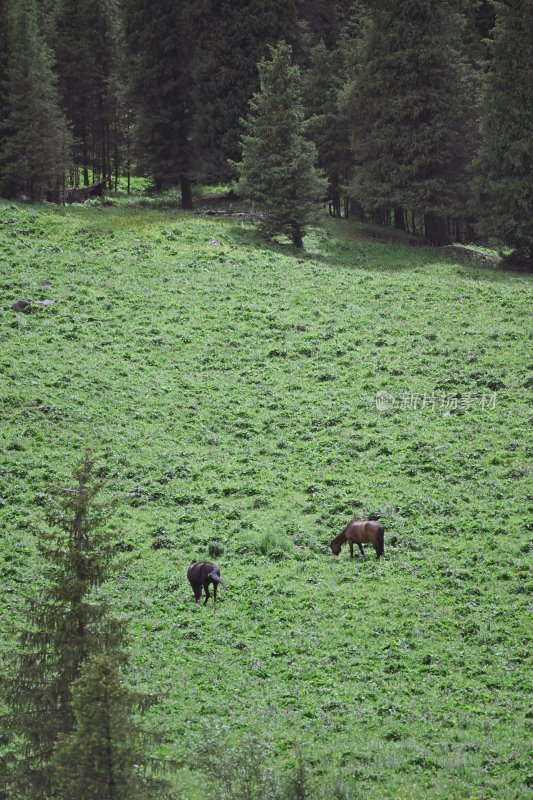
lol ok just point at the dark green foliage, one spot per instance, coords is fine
(505, 164)
(231, 38)
(64, 625)
(326, 124)
(479, 22)
(327, 114)
(159, 41)
(46, 20)
(35, 140)
(103, 757)
(410, 111)
(88, 46)
(323, 19)
(3, 64)
(277, 170)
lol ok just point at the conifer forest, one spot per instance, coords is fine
(265, 269)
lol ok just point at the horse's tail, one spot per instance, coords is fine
(380, 546)
(213, 575)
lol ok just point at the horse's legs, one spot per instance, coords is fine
(351, 548)
(197, 589)
(206, 587)
(215, 586)
(361, 548)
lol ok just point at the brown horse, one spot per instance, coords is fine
(200, 575)
(79, 194)
(360, 532)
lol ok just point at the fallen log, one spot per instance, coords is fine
(82, 193)
(214, 212)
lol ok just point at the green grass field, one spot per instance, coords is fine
(229, 389)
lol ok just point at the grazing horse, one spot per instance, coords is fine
(201, 574)
(360, 532)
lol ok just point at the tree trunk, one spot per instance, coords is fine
(399, 218)
(347, 204)
(85, 152)
(186, 192)
(470, 234)
(334, 203)
(110, 771)
(297, 238)
(379, 217)
(436, 228)
(356, 209)
(115, 147)
(109, 168)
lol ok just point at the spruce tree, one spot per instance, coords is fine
(65, 624)
(89, 53)
(411, 112)
(230, 39)
(278, 170)
(505, 163)
(35, 149)
(3, 65)
(323, 20)
(326, 124)
(160, 44)
(104, 755)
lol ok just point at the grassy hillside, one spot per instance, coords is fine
(229, 388)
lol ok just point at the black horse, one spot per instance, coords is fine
(201, 574)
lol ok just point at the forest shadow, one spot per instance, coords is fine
(360, 248)
(339, 251)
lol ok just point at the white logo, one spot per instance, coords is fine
(384, 400)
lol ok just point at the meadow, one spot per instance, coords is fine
(247, 394)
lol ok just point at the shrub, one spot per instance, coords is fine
(215, 549)
(243, 772)
(271, 544)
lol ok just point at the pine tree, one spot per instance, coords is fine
(89, 52)
(411, 112)
(34, 134)
(326, 124)
(65, 625)
(160, 43)
(104, 755)
(505, 163)
(230, 39)
(323, 20)
(3, 65)
(277, 169)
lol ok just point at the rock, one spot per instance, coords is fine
(46, 282)
(215, 243)
(21, 305)
(45, 303)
